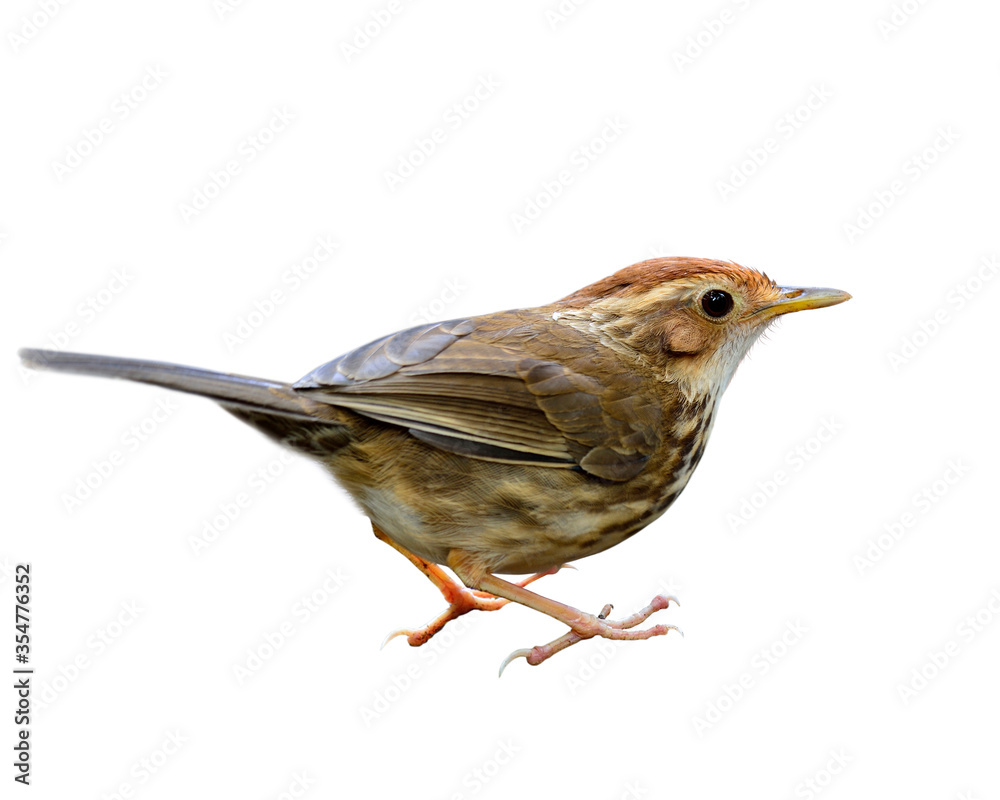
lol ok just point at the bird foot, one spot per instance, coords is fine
(461, 601)
(589, 626)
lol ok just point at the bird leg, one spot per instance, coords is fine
(460, 599)
(582, 625)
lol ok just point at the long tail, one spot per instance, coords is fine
(234, 392)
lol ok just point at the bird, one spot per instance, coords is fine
(517, 442)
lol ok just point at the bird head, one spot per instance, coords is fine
(693, 319)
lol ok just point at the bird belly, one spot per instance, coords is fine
(514, 526)
(515, 519)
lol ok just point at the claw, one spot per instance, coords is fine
(516, 654)
(393, 634)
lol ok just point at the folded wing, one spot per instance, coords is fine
(489, 388)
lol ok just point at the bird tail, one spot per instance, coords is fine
(235, 392)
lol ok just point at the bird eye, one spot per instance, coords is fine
(717, 303)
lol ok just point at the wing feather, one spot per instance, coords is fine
(489, 388)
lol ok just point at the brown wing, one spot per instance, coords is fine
(489, 388)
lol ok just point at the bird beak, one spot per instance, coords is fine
(794, 298)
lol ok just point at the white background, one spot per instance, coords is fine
(904, 111)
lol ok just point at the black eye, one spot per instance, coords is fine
(717, 303)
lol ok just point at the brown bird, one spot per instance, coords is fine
(518, 441)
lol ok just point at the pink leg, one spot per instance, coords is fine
(460, 599)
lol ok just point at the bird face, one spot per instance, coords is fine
(710, 322)
(693, 319)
